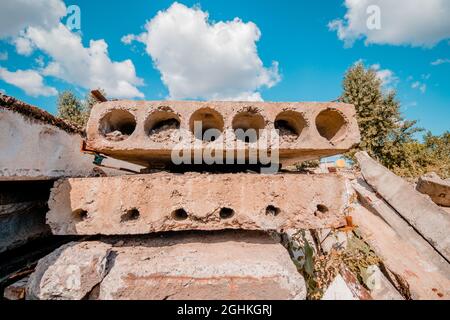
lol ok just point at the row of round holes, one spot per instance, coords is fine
(181, 214)
(329, 122)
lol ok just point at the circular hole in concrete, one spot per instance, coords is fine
(226, 213)
(206, 124)
(130, 215)
(331, 124)
(290, 125)
(272, 210)
(161, 125)
(322, 208)
(179, 214)
(246, 126)
(117, 125)
(80, 215)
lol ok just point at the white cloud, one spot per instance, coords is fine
(4, 56)
(440, 61)
(35, 25)
(403, 22)
(16, 15)
(386, 76)
(23, 46)
(29, 81)
(419, 85)
(87, 67)
(201, 59)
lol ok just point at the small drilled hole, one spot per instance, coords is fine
(226, 213)
(179, 214)
(272, 210)
(322, 208)
(80, 215)
(130, 215)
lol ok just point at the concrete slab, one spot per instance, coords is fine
(438, 189)
(424, 215)
(376, 204)
(146, 132)
(142, 204)
(413, 274)
(222, 266)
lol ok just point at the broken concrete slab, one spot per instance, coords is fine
(70, 272)
(380, 287)
(426, 217)
(145, 132)
(215, 266)
(37, 146)
(378, 206)
(412, 274)
(438, 189)
(141, 204)
(17, 290)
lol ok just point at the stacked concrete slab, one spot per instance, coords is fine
(200, 257)
(147, 131)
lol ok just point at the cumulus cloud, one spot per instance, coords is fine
(439, 62)
(16, 15)
(29, 81)
(387, 77)
(403, 22)
(199, 59)
(87, 67)
(35, 25)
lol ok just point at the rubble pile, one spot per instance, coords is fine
(334, 234)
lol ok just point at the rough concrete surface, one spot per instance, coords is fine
(413, 274)
(438, 189)
(35, 150)
(141, 204)
(223, 265)
(374, 203)
(141, 131)
(70, 272)
(428, 219)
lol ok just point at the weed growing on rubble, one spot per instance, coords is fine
(320, 269)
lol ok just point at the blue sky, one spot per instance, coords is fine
(303, 58)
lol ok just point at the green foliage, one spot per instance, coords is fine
(385, 135)
(70, 108)
(73, 110)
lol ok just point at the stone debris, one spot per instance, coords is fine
(425, 216)
(17, 290)
(141, 204)
(221, 235)
(438, 189)
(70, 272)
(371, 201)
(413, 275)
(116, 136)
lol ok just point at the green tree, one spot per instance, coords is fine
(385, 135)
(70, 108)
